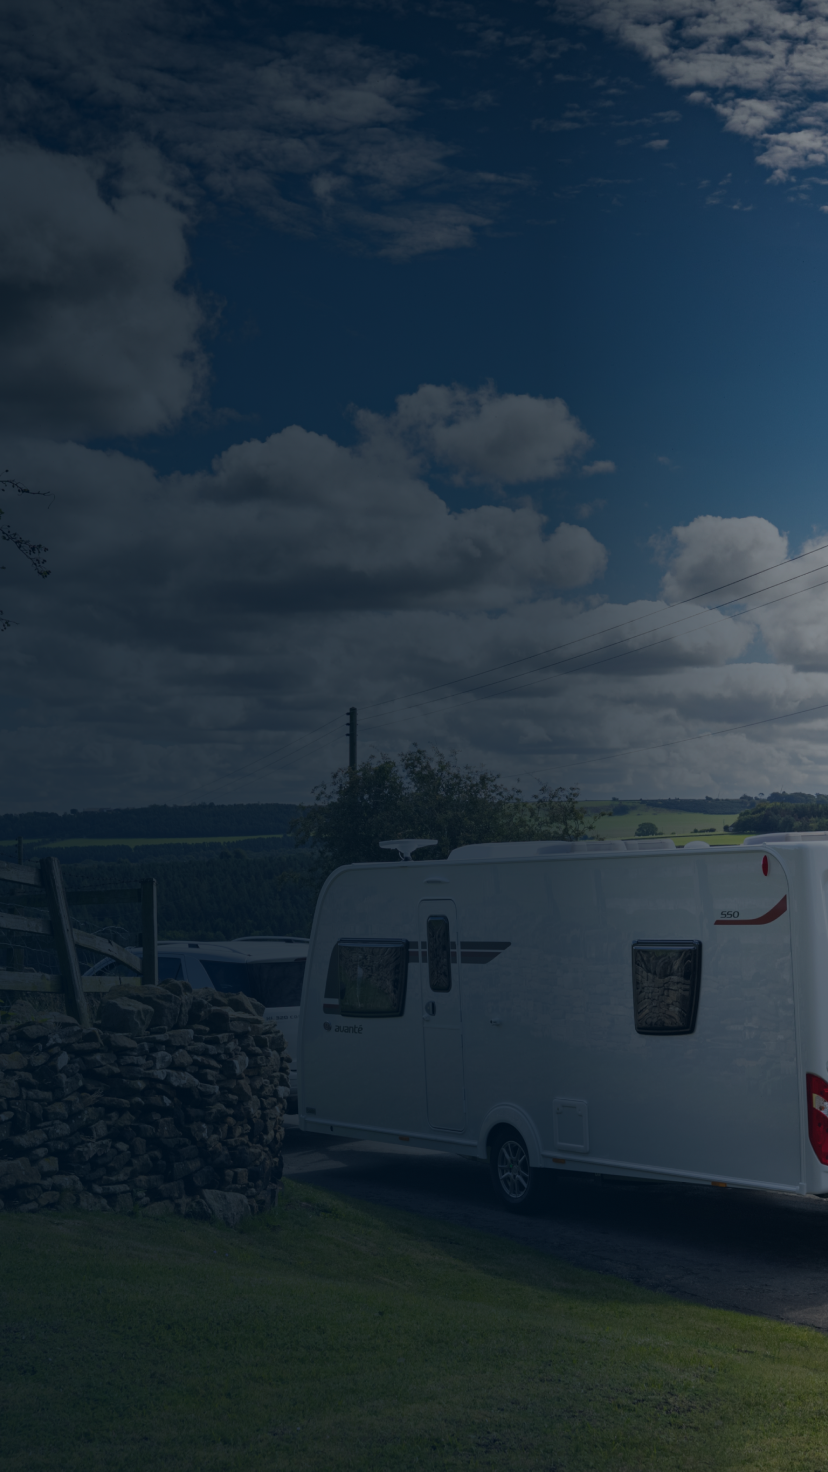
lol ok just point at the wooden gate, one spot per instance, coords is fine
(44, 885)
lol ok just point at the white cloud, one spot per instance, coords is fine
(195, 624)
(716, 550)
(310, 130)
(485, 436)
(599, 467)
(96, 336)
(188, 616)
(762, 64)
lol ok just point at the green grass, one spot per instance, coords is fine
(340, 1336)
(671, 823)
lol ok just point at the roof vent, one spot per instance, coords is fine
(763, 839)
(647, 845)
(407, 846)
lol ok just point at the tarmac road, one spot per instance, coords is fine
(746, 1250)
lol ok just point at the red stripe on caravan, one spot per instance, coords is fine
(773, 914)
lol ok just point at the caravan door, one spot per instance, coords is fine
(442, 1015)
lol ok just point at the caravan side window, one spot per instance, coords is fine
(372, 975)
(666, 981)
(439, 953)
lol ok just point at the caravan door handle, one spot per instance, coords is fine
(431, 1008)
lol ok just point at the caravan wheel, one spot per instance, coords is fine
(513, 1178)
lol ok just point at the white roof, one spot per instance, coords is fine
(763, 839)
(271, 948)
(480, 852)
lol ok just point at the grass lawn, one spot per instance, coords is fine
(671, 823)
(333, 1335)
(145, 842)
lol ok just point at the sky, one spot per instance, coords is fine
(462, 363)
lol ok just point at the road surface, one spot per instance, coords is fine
(745, 1250)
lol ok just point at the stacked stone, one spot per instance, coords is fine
(173, 1101)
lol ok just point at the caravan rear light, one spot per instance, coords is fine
(818, 1115)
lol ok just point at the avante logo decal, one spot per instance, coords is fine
(765, 919)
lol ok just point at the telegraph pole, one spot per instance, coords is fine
(352, 738)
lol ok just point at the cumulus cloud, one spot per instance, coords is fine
(599, 467)
(763, 65)
(717, 550)
(298, 521)
(309, 130)
(484, 436)
(188, 615)
(96, 337)
(197, 630)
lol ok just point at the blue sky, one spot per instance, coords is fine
(361, 348)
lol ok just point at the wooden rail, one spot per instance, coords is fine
(44, 882)
(21, 873)
(82, 938)
(43, 981)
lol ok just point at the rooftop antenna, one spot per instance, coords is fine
(406, 846)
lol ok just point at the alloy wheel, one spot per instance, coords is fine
(513, 1170)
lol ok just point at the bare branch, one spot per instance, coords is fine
(34, 552)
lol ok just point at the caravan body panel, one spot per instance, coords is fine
(538, 1028)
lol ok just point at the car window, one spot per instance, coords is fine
(116, 968)
(273, 983)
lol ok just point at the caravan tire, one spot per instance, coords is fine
(514, 1180)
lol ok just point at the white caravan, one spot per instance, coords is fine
(630, 1009)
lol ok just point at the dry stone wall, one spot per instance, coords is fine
(173, 1101)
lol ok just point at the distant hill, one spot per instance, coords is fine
(796, 797)
(201, 820)
(702, 804)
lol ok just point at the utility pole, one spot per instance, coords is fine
(352, 738)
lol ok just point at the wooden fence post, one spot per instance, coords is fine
(149, 933)
(52, 880)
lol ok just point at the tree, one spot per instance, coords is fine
(422, 795)
(32, 551)
(646, 830)
(783, 817)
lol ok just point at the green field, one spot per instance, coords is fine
(141, 842)
(336, 1337)
(671, 823)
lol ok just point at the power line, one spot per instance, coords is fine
(305, 742)
(610, 629)
(679, 740)
(621, 654)
(703, 735)
(299, 742)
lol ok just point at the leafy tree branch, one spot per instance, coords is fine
(427, 795)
